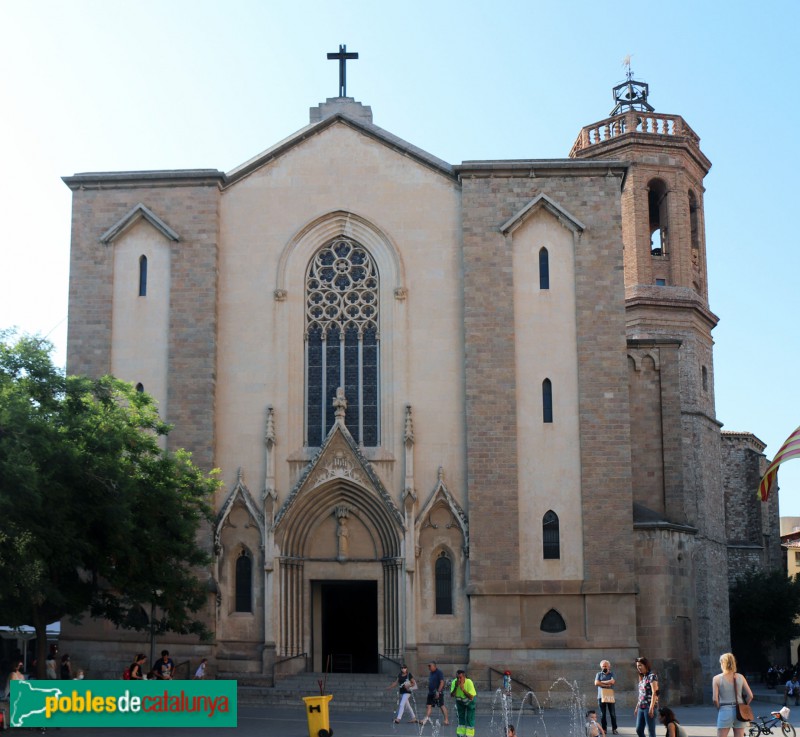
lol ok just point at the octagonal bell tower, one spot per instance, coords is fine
(679, 529)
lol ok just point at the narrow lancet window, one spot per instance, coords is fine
(544, 269)
(142, 276)
(547, 401)
(342, 341)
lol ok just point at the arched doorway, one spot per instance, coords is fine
(339, 537)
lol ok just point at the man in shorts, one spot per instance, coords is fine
(435, 693)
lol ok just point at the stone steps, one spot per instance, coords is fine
(352, 691)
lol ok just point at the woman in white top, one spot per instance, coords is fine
(730, 686)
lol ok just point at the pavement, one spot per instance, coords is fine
(699, 721)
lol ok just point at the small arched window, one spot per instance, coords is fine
(140, 387)
(704, 377)
(544, 269)
(244, 582)
(551, 537)
(547, 401)
(553, 622)
(444, 584)
(142, 276)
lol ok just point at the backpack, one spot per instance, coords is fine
(126, 674)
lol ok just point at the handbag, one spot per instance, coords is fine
(606, 695)
(743, 711)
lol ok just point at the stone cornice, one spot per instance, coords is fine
(533, 168)
(156, 178)
(671, 302)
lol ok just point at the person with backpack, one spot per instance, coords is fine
(135, 671)
(667, 717)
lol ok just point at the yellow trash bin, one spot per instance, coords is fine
(319, 724)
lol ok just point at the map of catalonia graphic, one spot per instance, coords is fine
(28, 701)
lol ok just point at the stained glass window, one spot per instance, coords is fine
(342, 341)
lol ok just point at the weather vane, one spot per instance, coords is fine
(631, 95)
(626, 62)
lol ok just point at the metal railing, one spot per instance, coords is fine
(523, 686)
(382, 659)
(277, 670)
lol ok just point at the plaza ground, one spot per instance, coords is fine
(699, 721)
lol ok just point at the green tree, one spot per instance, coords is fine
(763, 611)
(94, 515)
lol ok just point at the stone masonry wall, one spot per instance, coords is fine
(752, 526)
(490, 372)
(190, 209)
(506, 610)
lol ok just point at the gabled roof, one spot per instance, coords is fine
(362, 126)
(537, 203)
(241, 493)
(441, 494)
(133, 216)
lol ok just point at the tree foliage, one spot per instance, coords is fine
(94, 515)
(763, 610)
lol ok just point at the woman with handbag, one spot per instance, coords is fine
(732, 696)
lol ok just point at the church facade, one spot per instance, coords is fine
(463, 413)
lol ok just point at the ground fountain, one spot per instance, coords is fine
(529, 716)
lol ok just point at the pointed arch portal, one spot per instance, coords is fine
(340, 566)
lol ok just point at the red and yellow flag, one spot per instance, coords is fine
(790, 449)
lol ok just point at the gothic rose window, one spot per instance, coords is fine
(342, 341)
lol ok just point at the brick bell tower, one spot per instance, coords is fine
(679, 522)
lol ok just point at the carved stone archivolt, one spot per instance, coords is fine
(338, 467)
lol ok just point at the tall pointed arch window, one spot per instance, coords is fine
(444, 584)
(244, 582)
(342, 341)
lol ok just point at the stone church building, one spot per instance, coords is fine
(463, 412)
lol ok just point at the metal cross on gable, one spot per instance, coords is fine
(342, 56)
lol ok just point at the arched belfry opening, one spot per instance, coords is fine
(339, 537)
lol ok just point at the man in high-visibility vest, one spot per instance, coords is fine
(463, 690)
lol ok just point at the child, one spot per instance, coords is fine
(593, 728)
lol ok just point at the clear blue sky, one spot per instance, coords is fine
(105, 85)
